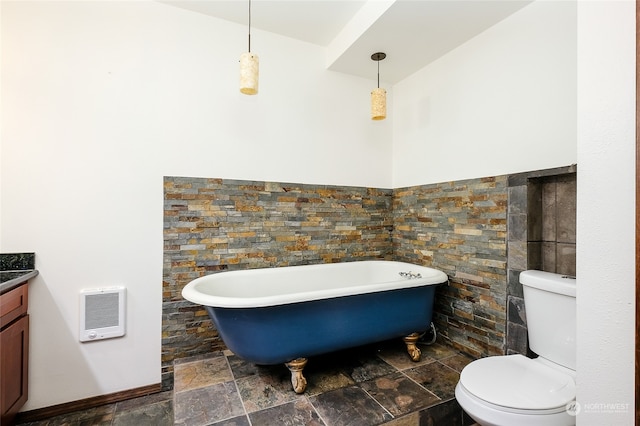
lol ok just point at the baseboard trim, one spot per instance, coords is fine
(83, 404)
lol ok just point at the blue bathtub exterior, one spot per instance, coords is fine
(279, 334)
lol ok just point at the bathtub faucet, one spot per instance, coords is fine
(410, 275)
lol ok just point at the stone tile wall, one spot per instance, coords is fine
(542, 235)
(212, 225)
(474, 230)
(460, 228)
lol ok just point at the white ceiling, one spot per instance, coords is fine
(412, 33)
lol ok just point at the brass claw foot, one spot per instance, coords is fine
(414, 351)
(298, 381)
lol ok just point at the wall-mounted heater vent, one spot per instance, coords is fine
(102, 313)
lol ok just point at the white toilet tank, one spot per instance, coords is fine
(550, 304)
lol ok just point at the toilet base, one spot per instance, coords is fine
(487, 415)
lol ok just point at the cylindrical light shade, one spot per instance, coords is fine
(249, 73)
(378, 104)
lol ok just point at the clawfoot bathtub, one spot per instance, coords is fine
(288, 314)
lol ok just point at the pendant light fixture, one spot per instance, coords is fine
(378, 96)
(249, 67)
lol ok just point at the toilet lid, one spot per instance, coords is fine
(515, 381)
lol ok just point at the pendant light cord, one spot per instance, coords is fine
(378, 74)
(249, 26)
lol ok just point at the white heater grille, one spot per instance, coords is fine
(102, 313)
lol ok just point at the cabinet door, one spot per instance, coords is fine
(14, 358)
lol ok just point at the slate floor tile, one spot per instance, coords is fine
(398, 394)
(235, 421)
(437, 351)
(241, 368)
(398, 357)
(158, 414)
(364, 386)
(364, 368)
(446, 414)
(412, 419)
(457, 362)
(437, 378)
(349, 406)
(206, 405)
(299, 412)
(268, 388)
(201, 373)
(325, 380)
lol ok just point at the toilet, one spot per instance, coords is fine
(516, 390)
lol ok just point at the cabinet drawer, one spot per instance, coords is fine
(13, 304)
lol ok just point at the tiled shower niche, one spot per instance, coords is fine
(551, 242)
(541, 235)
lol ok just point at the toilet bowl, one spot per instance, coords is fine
(513, 390)
(516, 390)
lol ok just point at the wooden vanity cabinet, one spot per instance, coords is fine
(14, 352)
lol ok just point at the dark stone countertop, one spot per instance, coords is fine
(15, 269)
(12, 279)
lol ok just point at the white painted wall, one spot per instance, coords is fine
(503, 102)
(100, 100)
(606, 212)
